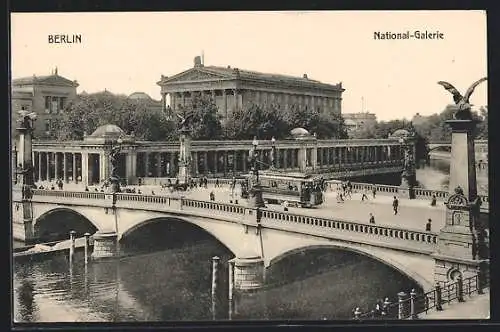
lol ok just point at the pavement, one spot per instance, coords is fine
(412, 214)
(475, 307)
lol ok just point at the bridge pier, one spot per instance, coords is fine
(248, 273)
(105, 245)
(462, 250)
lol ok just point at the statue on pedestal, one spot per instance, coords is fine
(113, 160)
(184, 129)
(25, 167)
(463, 111)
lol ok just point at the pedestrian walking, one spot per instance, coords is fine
(395, 204)
(363, 197)
(428, 225)
(433, 201)
(340, 198)
(285, 206)
(216, 182)
(372, 218)
(212, 196)
(374, 191)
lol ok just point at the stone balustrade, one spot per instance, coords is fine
(356, 227)
(241, 212)
(69, 194)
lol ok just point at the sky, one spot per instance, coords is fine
(395, 79)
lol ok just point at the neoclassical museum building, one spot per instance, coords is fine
(87, 161)
(233, 88)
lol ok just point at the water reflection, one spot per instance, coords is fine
(175, 284)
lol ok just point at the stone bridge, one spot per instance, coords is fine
(481, 147)
(277, 235)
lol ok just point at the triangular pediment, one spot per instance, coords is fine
(193, 75)
(56, 80)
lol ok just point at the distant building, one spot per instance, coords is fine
(418, 119)
(45, 95)
(143, 97)
(358, 121)
(233, 88)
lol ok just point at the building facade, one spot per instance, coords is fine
(87, 161)
(233, 88)
(359, 121)
(45, 95)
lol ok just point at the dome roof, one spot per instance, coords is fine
(108, 130)
(401, 133)
(139, 95)
(299, 132)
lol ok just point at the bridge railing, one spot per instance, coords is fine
(409, 307)
(224, 208)
(414, 236)
(420, 193)
(69, 194)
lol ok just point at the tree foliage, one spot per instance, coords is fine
(273, 121)
(87, 112)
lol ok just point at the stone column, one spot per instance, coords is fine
(194, 164)
(314, 157)
(85, 168)
(225, 156)
(163, 102)
(216, 161)
(131, 167)
(302, 159)
(224, 101)
(236, 101)
(158, 164)
(104, 166)
(285, 157)
(47, 160)
(235, 161)
(172, 169)
(146, 164)
(244, 160)
(56, 165)
(65, 171)
(39, 166)
(205, 162)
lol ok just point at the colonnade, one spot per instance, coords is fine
(92, 167)
(227, 99)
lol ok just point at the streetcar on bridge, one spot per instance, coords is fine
(304, 190)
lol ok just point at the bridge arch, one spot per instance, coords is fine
(230, 235)
(55, 224)
(404, 269)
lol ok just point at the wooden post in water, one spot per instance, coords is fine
(215, 271)
(87, 236)
(72, 235)
(230, 266)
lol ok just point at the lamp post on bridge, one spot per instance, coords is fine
(408, 175)
(24, 172)
(273, 153)
(255, 199)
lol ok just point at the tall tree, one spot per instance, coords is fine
(204, 119)
(89, 111)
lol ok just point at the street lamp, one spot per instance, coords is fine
(255, 200)
(273, 152)
(14, 166)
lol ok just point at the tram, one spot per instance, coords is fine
(299, 189)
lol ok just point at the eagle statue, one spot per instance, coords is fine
(463, 106)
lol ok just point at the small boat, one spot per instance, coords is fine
(46, 250)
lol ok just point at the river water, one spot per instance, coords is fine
(166, 276)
